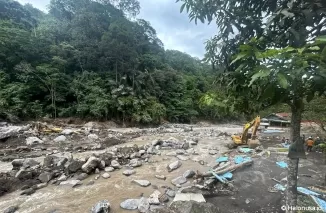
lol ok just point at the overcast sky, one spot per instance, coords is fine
(173, 28)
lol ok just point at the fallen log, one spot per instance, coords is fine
(228, 169)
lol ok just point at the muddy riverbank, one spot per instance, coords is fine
(196, 147)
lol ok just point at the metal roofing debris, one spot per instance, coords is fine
(222, 159)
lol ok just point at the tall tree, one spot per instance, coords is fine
(273, 24)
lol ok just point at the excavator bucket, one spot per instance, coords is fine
(296, 150)
(253, 143)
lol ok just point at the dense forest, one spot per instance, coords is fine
(94, 59)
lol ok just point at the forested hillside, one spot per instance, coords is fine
(94, 59)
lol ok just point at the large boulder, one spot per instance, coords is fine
(17, 163)
(106, 157)
(143, 205)
(135, 163)
(115, 164)
(24, 174)
(74, 165)
(45, 177)
(179, 181)
(91, 164)
(9, 131)
(101, 207)
(33, 141)
(11, 209)
(54, 161)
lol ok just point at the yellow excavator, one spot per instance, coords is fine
(246, 138)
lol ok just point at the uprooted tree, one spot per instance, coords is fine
(268, 48)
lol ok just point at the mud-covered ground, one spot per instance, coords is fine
(253, 184)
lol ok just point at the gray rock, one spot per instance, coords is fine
(106, 175)
(179, 180)
(71, 183)
(101, 207)
(109, 169)
(161, 177)
(74, 165)
(143, 205)
(143, 183)
(101, 165)
(97, 171)
(33, 141)
(41, 185)
(171, 154)
(106, 157)
(30, 163)
(63, 177)
(24, 174)
(60, 138)
(28, 191)
(7, 132)
(170, 193)
(185, 145)
(61, 162)
(97, 177)
(135, 163)
(45, 177)
(128, 172)
(115, 164)
(82, 176)
(164, 198)
(92, 137)
(67, 132)
(17, 163)
(91, 164)
(180, 152)
(141, 152)
(212, 152)
(150, 150)
(173, 140)
(91, 182)
(11, 209)
(182, 157)
(189, 174)
(173, 166)
(130, 204)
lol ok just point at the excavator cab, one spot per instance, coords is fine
(247, 138)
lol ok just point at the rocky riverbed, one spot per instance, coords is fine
(73, 168)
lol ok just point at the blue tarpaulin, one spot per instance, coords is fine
(220, 178)
(228, 175)
(285, 145)
(246, 150)
(222, 159)
(307, 191)
(282, 164)
(321, 203)
(279, 187)
(240, 159)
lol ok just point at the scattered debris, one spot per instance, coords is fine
(240, 159)
(222, 159)
(282, 164)
(245, 150)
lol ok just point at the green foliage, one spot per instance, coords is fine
(86, 59)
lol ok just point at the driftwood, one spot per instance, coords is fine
(276, 180)
(228, 169)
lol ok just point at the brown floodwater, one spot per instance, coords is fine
(115, 189)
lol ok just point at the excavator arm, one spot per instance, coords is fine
(243, 139)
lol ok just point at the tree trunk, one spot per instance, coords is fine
(116, 72)
(291, 191)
